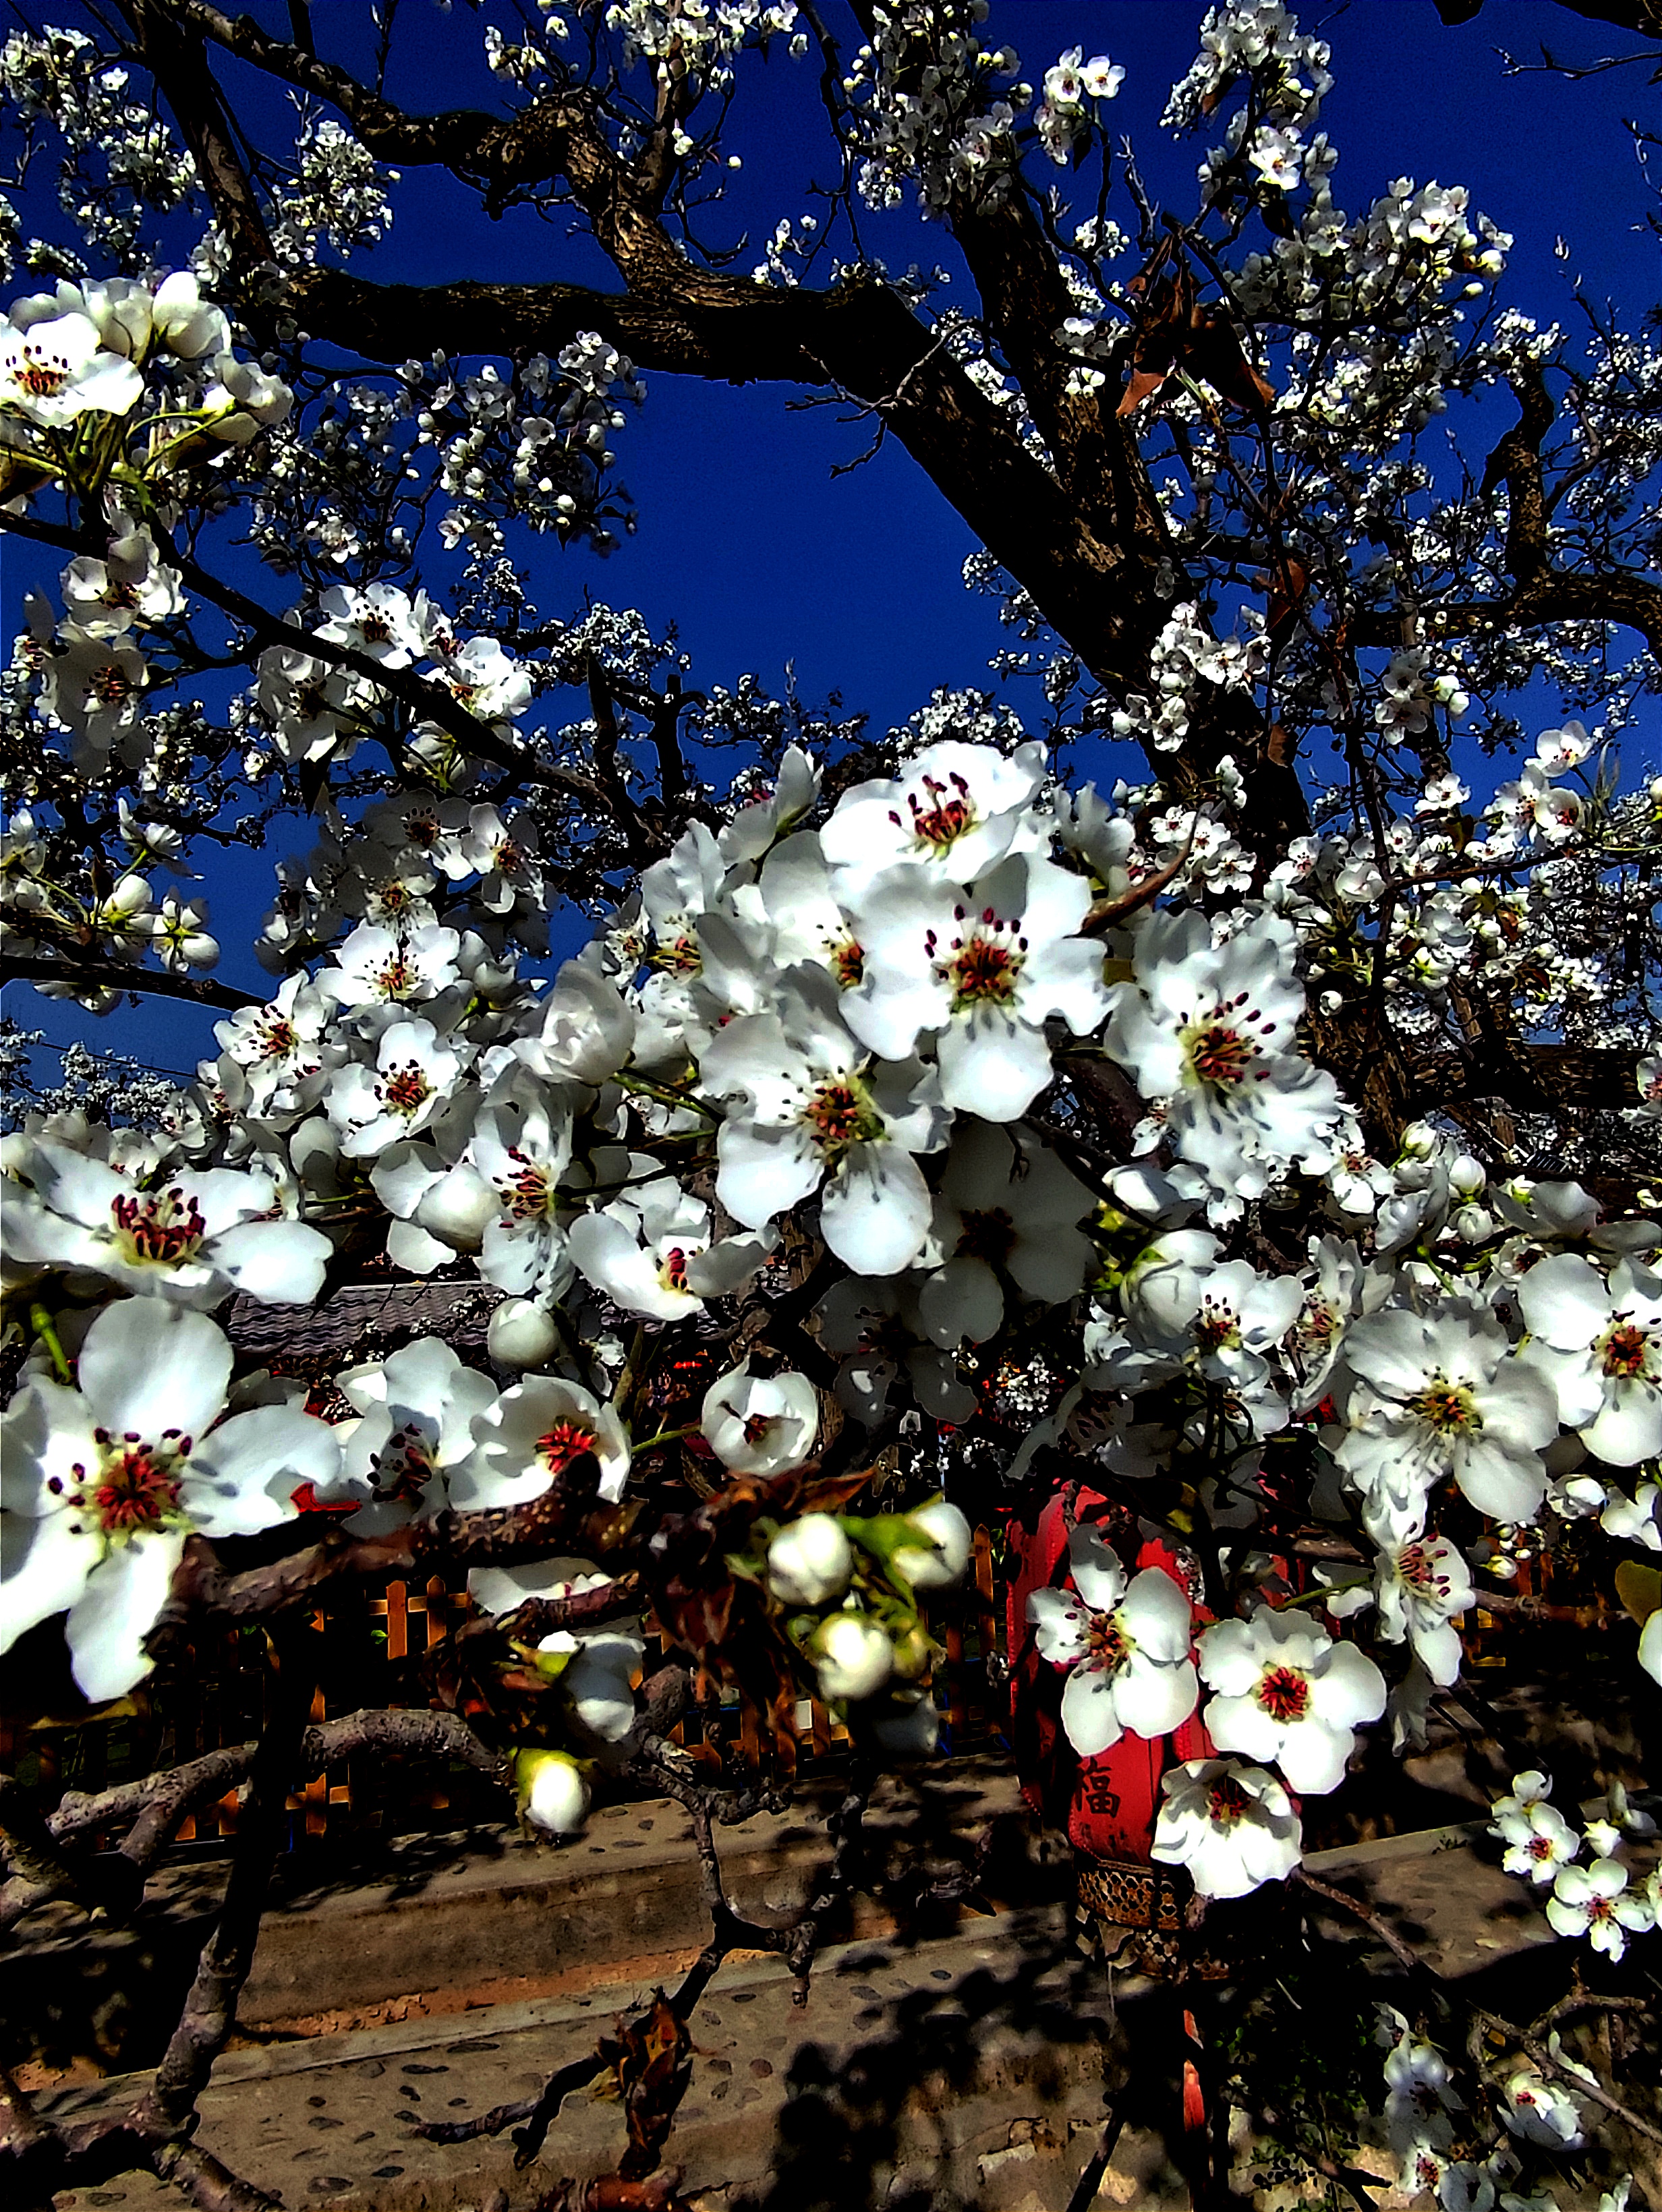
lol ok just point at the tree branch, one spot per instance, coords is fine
(167, 2107)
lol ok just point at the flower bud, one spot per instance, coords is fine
(1467, 1175)
(522, 1333)
(1419, 1141)
(553, 1794)
(458, 1208)
(940, 1559)
(810, 1561)
(853, 1654)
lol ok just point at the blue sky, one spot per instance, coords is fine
(746, 542)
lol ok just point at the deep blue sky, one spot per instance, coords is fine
(747, 543)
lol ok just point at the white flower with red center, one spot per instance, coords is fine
(1283, 1690)
(521, 1146)
(1538, 1839)
(485, 680)
(506, 857)
(414, 1075)
(53, 372)
(1126, 1641)
(1541, 2111)
(1344, 1285)
(757, 1425)
(379, 966)
(979, 970)
(102, 1483)
(1006, 1206)
(957, 808)
(1422, 1585)
(376, 620)
(1232, 1826)
(414, 1452)
(1594, 1901)
(279, 1048)
(676, 892)
(815, 1111)
(1210, 1030)
(533, 1433)
(104, 598)
(96, 686)
(651, 1252)
(193, 1238)
(1600, 1343)
(1439, 1396)
(1239, 1316)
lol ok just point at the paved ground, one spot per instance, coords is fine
(967, 2070)
(943, 2061)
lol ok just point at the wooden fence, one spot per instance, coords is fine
(216, 1700)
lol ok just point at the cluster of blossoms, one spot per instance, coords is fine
(1599, 1900)
(849, 1027)
(1185, 656)
(1461, 2153)
(922, 93)
(1062, 116)
(122, 382)
(966, 1121)
(1260, 41)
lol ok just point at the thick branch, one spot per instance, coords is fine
(558, 1519)
(167, 2108)
(85, 976)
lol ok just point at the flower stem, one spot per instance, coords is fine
(41, 1322)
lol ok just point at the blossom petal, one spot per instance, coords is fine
(147, 1367)
(121, 1603)
(1089, 1717)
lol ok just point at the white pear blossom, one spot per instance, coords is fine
(191, 1237)
(1126, 1641)
(533, 1434)
(1541, 2112)
(653, 1250)
(1600, 1343)
(410, 1083)
(955, 808)
(1422, 1586)
(1439, 1397)
(1231, 1827)
(1539, 1840)
(810, 1560)
(1210, 1029)
(756, 1425)
(1285, 1692)
(413, 1453)
(979, 970)
(814, 1108)
(54, 370)
(1594, 1901)
(1005, 1206)
(1419, 2093)
(103, 1481)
